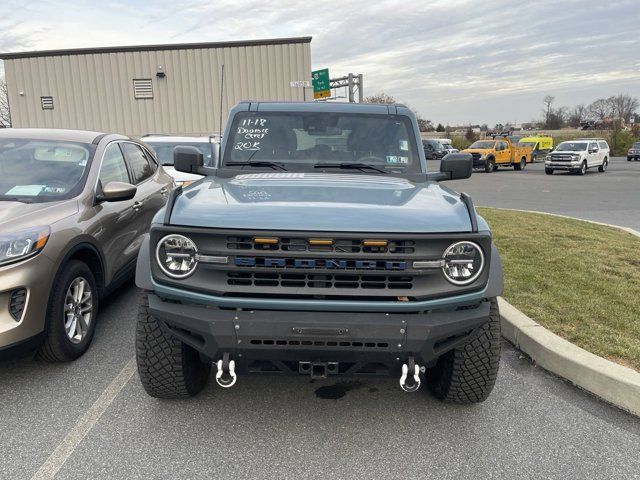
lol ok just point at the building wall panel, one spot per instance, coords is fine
(94, 90)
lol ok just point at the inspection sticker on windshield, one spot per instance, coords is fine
(395, 160)
(28, 190)
(404, 145)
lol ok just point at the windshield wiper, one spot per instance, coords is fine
(15, 199)
(257, 163)
(350, 166)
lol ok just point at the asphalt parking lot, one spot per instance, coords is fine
(534, 425)
(610, 197)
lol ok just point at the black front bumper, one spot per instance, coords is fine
(262, 341)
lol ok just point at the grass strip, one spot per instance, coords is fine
(579, 280)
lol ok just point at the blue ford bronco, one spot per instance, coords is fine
(319, 244)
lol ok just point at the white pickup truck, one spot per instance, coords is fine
(579, 155)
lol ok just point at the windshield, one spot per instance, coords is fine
(164, 150)
(482, 144)
(42, 171)
(571, 147)
(308, 141)
(636, 145)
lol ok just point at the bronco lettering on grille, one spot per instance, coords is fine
(329, 263)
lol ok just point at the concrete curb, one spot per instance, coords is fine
(612, 382)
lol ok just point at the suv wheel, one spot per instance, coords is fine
(489, 165)
(605, 163)
(548, 171)
(521, 165)
(167, 367)
(468, 373)
(583, 168)
(71, 314)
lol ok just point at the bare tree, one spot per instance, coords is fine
(623, 106)
(5, 114)
(600, 110)
(547, 101)
(577, 115)
(380, 98)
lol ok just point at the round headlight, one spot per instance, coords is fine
(176, 256)
(462, 262)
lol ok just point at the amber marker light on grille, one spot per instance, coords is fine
(375, 243)
(320, 241)
(265, 240)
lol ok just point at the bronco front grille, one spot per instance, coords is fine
(305, 245)
(371, 266)
(302, 280)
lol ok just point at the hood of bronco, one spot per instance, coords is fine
(321, 202)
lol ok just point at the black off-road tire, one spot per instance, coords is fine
(489, 165)
(167, 367)
(548, 171)
(468, 373)
(56, 346)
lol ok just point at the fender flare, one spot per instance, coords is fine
(143, 266)
(495, 284)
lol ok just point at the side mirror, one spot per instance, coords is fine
(456, 166)
(187, 159)
(117, 192)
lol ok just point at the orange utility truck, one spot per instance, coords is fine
(498, 151)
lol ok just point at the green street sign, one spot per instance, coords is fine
(320, 80)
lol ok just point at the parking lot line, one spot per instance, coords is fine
(84, 425)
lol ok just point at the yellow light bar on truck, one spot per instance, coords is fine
(320, 241)
(375, 243)
(265, 240)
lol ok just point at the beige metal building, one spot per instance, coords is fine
(137, 90)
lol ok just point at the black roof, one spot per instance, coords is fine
(147, 48)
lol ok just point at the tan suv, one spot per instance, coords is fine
(74, 208)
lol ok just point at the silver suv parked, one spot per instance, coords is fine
(74, 208)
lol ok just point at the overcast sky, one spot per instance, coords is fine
(456, 61)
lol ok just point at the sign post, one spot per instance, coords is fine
(320, 80)
(303, 84)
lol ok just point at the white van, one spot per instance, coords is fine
(446, 143)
